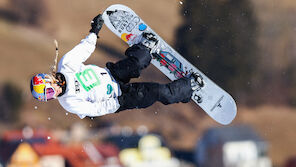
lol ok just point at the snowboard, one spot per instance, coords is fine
(128, 26)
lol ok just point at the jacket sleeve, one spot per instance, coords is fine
(85, 108)
(80, 53)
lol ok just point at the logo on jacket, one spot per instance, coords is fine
(77, 87)
(88, 79)
(109, 89)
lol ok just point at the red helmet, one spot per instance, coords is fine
(41, 88)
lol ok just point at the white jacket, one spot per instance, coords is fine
(91, 90)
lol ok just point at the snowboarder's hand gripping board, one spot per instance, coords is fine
(127, 25)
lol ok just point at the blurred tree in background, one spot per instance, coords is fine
(29, 12)
(219, 37)
(290, 83)
(11, 100)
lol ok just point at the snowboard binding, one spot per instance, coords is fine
(197, 81)
(150, 41)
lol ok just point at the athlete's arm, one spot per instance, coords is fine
(81, 52)
(85, 48)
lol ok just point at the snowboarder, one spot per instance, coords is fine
(89, 90)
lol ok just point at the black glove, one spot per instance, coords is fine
(96, 24)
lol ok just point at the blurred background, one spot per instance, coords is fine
(248, 47)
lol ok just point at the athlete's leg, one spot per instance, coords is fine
(142, 95)
(138, 58)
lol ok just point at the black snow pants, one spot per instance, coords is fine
(144, 94)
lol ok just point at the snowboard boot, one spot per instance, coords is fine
(197, 81)
(150, 41)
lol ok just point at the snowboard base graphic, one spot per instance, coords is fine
(128, 26)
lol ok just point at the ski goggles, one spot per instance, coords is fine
(49, 92)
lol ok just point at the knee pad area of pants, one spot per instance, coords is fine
(141, 53)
